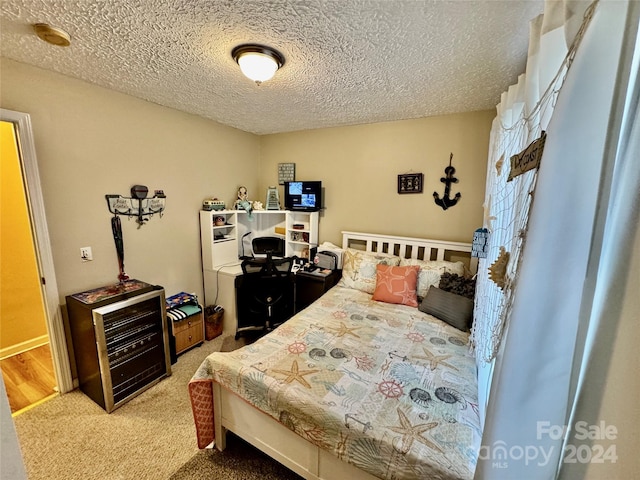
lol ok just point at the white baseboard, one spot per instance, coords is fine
(23, 346)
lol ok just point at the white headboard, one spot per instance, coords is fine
(408, 247)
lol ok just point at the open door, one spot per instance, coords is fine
(35, 204)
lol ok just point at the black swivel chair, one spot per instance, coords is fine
(265, 291)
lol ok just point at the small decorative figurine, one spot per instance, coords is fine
(243, 201)
(242, 195)
(498, 269)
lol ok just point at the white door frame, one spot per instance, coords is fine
(44, 257)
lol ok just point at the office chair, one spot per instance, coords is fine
(265, 293)
(269, 246)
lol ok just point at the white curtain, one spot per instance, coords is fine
(611, 275)
(559, 290)
(523, 113)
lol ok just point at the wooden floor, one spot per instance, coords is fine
(28, 377)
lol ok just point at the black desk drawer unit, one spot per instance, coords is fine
(311, 286)
(120, 343)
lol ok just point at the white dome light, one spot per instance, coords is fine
(256, 62)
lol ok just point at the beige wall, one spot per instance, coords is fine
(359, 167)
(91, 141)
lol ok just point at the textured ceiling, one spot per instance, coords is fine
(347, 61)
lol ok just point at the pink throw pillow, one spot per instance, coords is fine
(396, 284)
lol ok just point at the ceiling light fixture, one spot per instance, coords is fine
(52, 35)
(257, 62)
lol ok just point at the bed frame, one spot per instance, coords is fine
(408, 247)
(232, 413)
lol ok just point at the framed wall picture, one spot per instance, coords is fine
(286, 172)
(410, 182)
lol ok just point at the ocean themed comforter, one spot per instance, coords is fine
(384, 387)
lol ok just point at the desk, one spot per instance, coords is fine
(310, 287)
(220, 289)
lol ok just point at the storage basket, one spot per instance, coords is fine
(213, 321)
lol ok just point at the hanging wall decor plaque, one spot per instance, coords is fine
(137, 205)
(410, 183)
(528, 159)
(286, 172)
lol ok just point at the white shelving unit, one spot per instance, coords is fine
(262, 223)
(301, 233)
(225, 242)
(224, 232)
(219, 237)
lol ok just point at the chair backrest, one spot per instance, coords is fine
(265, 293)
(273, 246)
(269, 266)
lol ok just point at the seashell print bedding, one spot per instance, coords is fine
(384, 387)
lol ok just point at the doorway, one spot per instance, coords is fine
(47, 291)
(25, 357)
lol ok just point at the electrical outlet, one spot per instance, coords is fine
(85, 254)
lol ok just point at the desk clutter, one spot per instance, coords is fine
(182, 305)
(187, 321)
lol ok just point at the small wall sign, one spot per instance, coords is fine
(410, 183)
(286, 172)
(528, 159)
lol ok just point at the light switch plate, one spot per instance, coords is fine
(85, 254)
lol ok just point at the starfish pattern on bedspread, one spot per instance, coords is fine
(435, 360)
(295, 374)
(352, 358)
(344, 330)
(411, 433)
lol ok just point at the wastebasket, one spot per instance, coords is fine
(213, 315)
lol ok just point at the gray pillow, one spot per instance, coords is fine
(454, 309)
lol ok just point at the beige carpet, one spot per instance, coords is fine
(239, 461)
(150, 437)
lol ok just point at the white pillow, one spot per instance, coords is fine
(430, 272)
(359, 268)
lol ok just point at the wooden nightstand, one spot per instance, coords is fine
(188, 332)
(311, 286)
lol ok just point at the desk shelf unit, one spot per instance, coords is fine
(225, 242)
(219, 235)
(301, 233)
(221, 256)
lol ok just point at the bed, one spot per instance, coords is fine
(361, 384)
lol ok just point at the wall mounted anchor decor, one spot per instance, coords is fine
(137, 205)
(446, 201)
